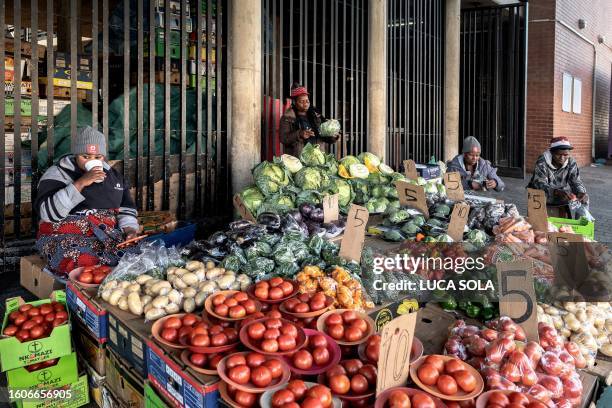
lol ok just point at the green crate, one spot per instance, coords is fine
(581, 226)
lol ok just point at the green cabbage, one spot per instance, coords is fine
(348, 160)
(329, 128)
(361, 191)
(343, 189)
(277, 203)
(311, 178)
(398, 216)
(292, 163)
(378, 178)
(370, 157)
(431, 188)
(421, 181)
(252, 199)
(312, 155)
(377, 205)
(270, 177)
(398, 176)
(384, 169)
(359, 171)
(378, 191)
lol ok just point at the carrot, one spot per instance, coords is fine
(420, 237)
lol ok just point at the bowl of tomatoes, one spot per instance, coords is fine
(253, 372)
(307, 305)
(273, 336)
(231, 305)
(348, 327)
(274, 290)
(30, 322)
(204, 363)
(236, 398)
(446, 377)
(507, 398)
(210, 338)
(398, 397)
(90, 276)
(369, 349)
(170, 330)
(302, 394)
(350, 379)
(320, 353)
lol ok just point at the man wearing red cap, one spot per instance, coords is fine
(557, 174)
(300, 123)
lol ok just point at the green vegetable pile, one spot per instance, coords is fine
(287, 181)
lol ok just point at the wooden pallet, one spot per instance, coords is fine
(61, 92)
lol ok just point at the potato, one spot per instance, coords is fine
(171, 270)
(172, 278)
(134, 287)
(194, 265)
(189, 305)
(125, 284)
(147, 307)
(607, 349)
(172, 308)
(552, 311)
(145, 300)
(190, 279)
(189, 292)
(155, 313)
(214, 273)
(244, 280)
(208, 287)
(235, 286)
(115, 296)
(157, 288)
(210, 265)
(180, 272)
(175, 296)
(581, 315)
(179, 283)
(111, 284)
(226, 281)
(106, 294)
(164, 291)
(160, 301)
(142, 279)
(200, 298)
(134, 304)
(123, 303)
(201, 274)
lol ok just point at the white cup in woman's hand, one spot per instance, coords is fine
(92, 164)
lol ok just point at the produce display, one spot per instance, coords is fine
(319, 353)
(272, 336)
(339, 283)
(447, 377)
(93, 274)
(252, 371)
(346, 326)
(35, 322)
(544, 370)
(510, 399)
(39, 366)
(400, 397)
(307, 303)
(273, 290)
(205, 363)
(297, 393)
(587, 324)
(351, 378)
(231, 304)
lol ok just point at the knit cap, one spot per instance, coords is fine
(89, 141)
(469, 143)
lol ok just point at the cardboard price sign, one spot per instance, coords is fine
(410, 170)
(454, 188)
(568, 257)
(241, 208)
(536, 209)
(354, 233)
(517, 297)
(458, 219)
(330, 208)
(411, 195)
(394, 357)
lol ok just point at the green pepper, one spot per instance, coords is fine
(488, 312)
(472, 311)
(449, 303)
(462, 304)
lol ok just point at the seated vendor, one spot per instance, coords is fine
(557, 174)
(84, 206)
(476, 172)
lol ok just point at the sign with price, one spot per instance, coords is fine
(410, 170)
(411, 195)
(454, 188)
(354, 233)
(458, 220)
(517, 297)
(568, 258)
(330, 208)
(394, 357)
(241, 208)
(536, 209)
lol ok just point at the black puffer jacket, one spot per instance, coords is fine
(291, 131)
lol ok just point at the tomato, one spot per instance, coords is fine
(270, 334)
(369, 372)
(232, 335)
(339, 384)
(85, 277)
(303, 360)
(298, 388)
(453, 365)
(289, 329)
(360, 324)
(282, 397)
(256, 331)
(241, 297)
(336, 331)
(275, 367)
(230, 302)
(437, 362)
(216, 329)
(240, 374)
(173, 323)
(465, 380)
(25, 308)
(261, 293)
(286, 287)
(38, 319)
(333, 319)
(50, 318)
(46, 309)
(372, 351)
(422, 400)
(33, 312)
(198, 359)
(10, 330)
(58, 321)
(353, 334)
(352, 366)
(170, 335)
(61, 314)
(275, 293)
(269, 345)
(286, 342)
(398, 399)
(237, 312)
(214, 359)
(22, 335)
(219, 339)
(28, 325)
(498, 398)
(316, 304)
(261, 376)
(348, 316)
(245, 399)
(359, 384)
(250, 306)
(235, 360)
(20, 319)
(322, 393)
(37, 332)
(98, 277)
(273, 323)
(318, 340)
(291, 303)
(275, 314)
(255, 359)
(221, 310)
(447, 384)
(218, 300)
(518, 398)
(301, 308)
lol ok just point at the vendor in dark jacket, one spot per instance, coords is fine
(84, 206)
(300, 123)
(476, 172)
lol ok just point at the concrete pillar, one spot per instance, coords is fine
(452, 53)
(246, 98)
(377, 77)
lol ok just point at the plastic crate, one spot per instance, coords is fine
(181, 236)
(581, 226)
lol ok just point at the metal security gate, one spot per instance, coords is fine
(150, 74)
(493, 77)
(415, 78)
(321, 44)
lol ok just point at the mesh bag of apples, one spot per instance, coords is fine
(546, 370)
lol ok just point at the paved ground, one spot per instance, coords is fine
(598, 181)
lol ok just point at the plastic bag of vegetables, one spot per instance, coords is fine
(329, 128)
(270, 177)
(312, 155)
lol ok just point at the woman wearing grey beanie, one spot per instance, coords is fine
(476, 172)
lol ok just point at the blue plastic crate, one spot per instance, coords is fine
(181, 236)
